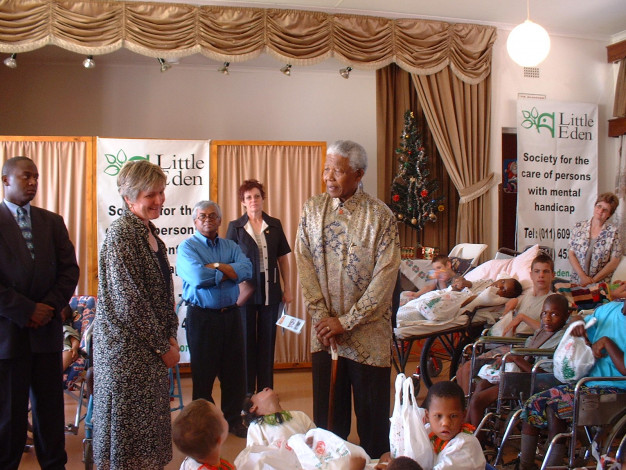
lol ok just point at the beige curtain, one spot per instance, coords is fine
(459, 116)
(63, 188)
(237, 34)
(395, 94)
(290, 173)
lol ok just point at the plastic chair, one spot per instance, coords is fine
(468, 251)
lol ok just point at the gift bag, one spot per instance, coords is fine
(491, 372)
(396, 431)
(412, 438)
(573, 358)
(258, 457)
(321, 449)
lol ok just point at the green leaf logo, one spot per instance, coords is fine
(532, 119)
(115, 162)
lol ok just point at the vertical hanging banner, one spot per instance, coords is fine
(557, 163)
(186, 166)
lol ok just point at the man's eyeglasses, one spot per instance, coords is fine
(211, 216)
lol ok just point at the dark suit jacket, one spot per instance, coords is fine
(50, 278)
(277, 246)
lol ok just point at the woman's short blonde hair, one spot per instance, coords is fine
(610, 198)
(138, 175)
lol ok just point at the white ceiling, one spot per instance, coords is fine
(604, 20)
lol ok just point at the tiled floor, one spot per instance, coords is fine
(293, 386)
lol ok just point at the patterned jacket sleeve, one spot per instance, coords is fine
(311, 289)
(124, 280)
(380, 289)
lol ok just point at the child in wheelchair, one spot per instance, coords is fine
(553, 408)
(554, 315)
(71, 338)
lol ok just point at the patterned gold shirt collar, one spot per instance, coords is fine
(351, 204)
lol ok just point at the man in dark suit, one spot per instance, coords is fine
(38, 274)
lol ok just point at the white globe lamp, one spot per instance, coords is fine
(528, 44)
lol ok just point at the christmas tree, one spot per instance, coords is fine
(412, 193)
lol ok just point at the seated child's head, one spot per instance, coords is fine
(509, 288)
(542, 272)
(445, 409)
(442, 267)
(403, 463)
(200, 430)
(555, 312)
(262, 403)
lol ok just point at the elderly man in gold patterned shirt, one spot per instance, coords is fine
(348, 255)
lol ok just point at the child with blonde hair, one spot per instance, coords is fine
(199, 432)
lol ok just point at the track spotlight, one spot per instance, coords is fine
(164, 65)
(224, 68)
(11, 62)
(286, 69)
(89, 63)
(345, 72)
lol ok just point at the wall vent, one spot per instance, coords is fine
(531, 72)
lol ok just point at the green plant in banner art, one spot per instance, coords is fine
(116, 162)
(413, 199)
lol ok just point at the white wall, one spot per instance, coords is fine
(575, 70)
(260, 103)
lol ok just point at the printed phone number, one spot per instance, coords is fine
(547, 233)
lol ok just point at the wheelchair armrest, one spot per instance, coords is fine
(532, 352)
(500, 340)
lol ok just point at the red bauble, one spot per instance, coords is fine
(424, 193)
(395, 198)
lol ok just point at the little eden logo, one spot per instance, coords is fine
(115, 162)
(532, 119)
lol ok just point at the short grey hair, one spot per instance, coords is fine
(139, 175)
(354, 152)
(205, 205)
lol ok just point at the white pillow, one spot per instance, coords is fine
(518, 268)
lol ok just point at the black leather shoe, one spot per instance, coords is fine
(238, 430)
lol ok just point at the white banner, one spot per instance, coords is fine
(557, 168)
(186, 165)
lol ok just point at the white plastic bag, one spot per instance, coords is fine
(396, 431)
(411, 439)
(501, 325)
(573, 358)
(258, 457)
(491, 372)
(323, 450)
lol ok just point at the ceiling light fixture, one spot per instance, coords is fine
(164, 65)
(224, 68)
(345, 72)
(528, 44)
(11, 62)
(89, 63)
(286, 69)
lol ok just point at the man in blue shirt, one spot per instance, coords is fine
(211, 269)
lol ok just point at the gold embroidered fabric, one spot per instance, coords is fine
(237, 34)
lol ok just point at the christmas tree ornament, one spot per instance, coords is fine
(413, 191)
(441, 208)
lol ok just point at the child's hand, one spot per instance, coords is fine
(383, 461)
(356, 463)
(599, 346)
(74, 352)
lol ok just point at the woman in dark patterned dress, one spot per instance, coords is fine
(135, 331)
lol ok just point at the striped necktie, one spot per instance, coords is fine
(27, 233)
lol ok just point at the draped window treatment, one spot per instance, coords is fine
(459, 116)
(395, 94)
(238, 34)
(63, 168)
(290, 174)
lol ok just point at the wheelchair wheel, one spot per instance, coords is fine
(441, 354)
(615, 443)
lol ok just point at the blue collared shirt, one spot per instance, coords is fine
(13, 209)
(203, 286)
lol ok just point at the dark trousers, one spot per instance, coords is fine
(259, 326)
(38, 376)
(370, 386)
(215, 342)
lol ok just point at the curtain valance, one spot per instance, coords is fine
(238, 34)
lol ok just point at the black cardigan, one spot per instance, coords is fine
(277, 246)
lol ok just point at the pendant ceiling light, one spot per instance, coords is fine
(528, 44)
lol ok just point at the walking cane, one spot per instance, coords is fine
(333, 380)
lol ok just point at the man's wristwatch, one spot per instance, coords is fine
(216, 265)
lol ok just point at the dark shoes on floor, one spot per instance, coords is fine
(238, 430)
